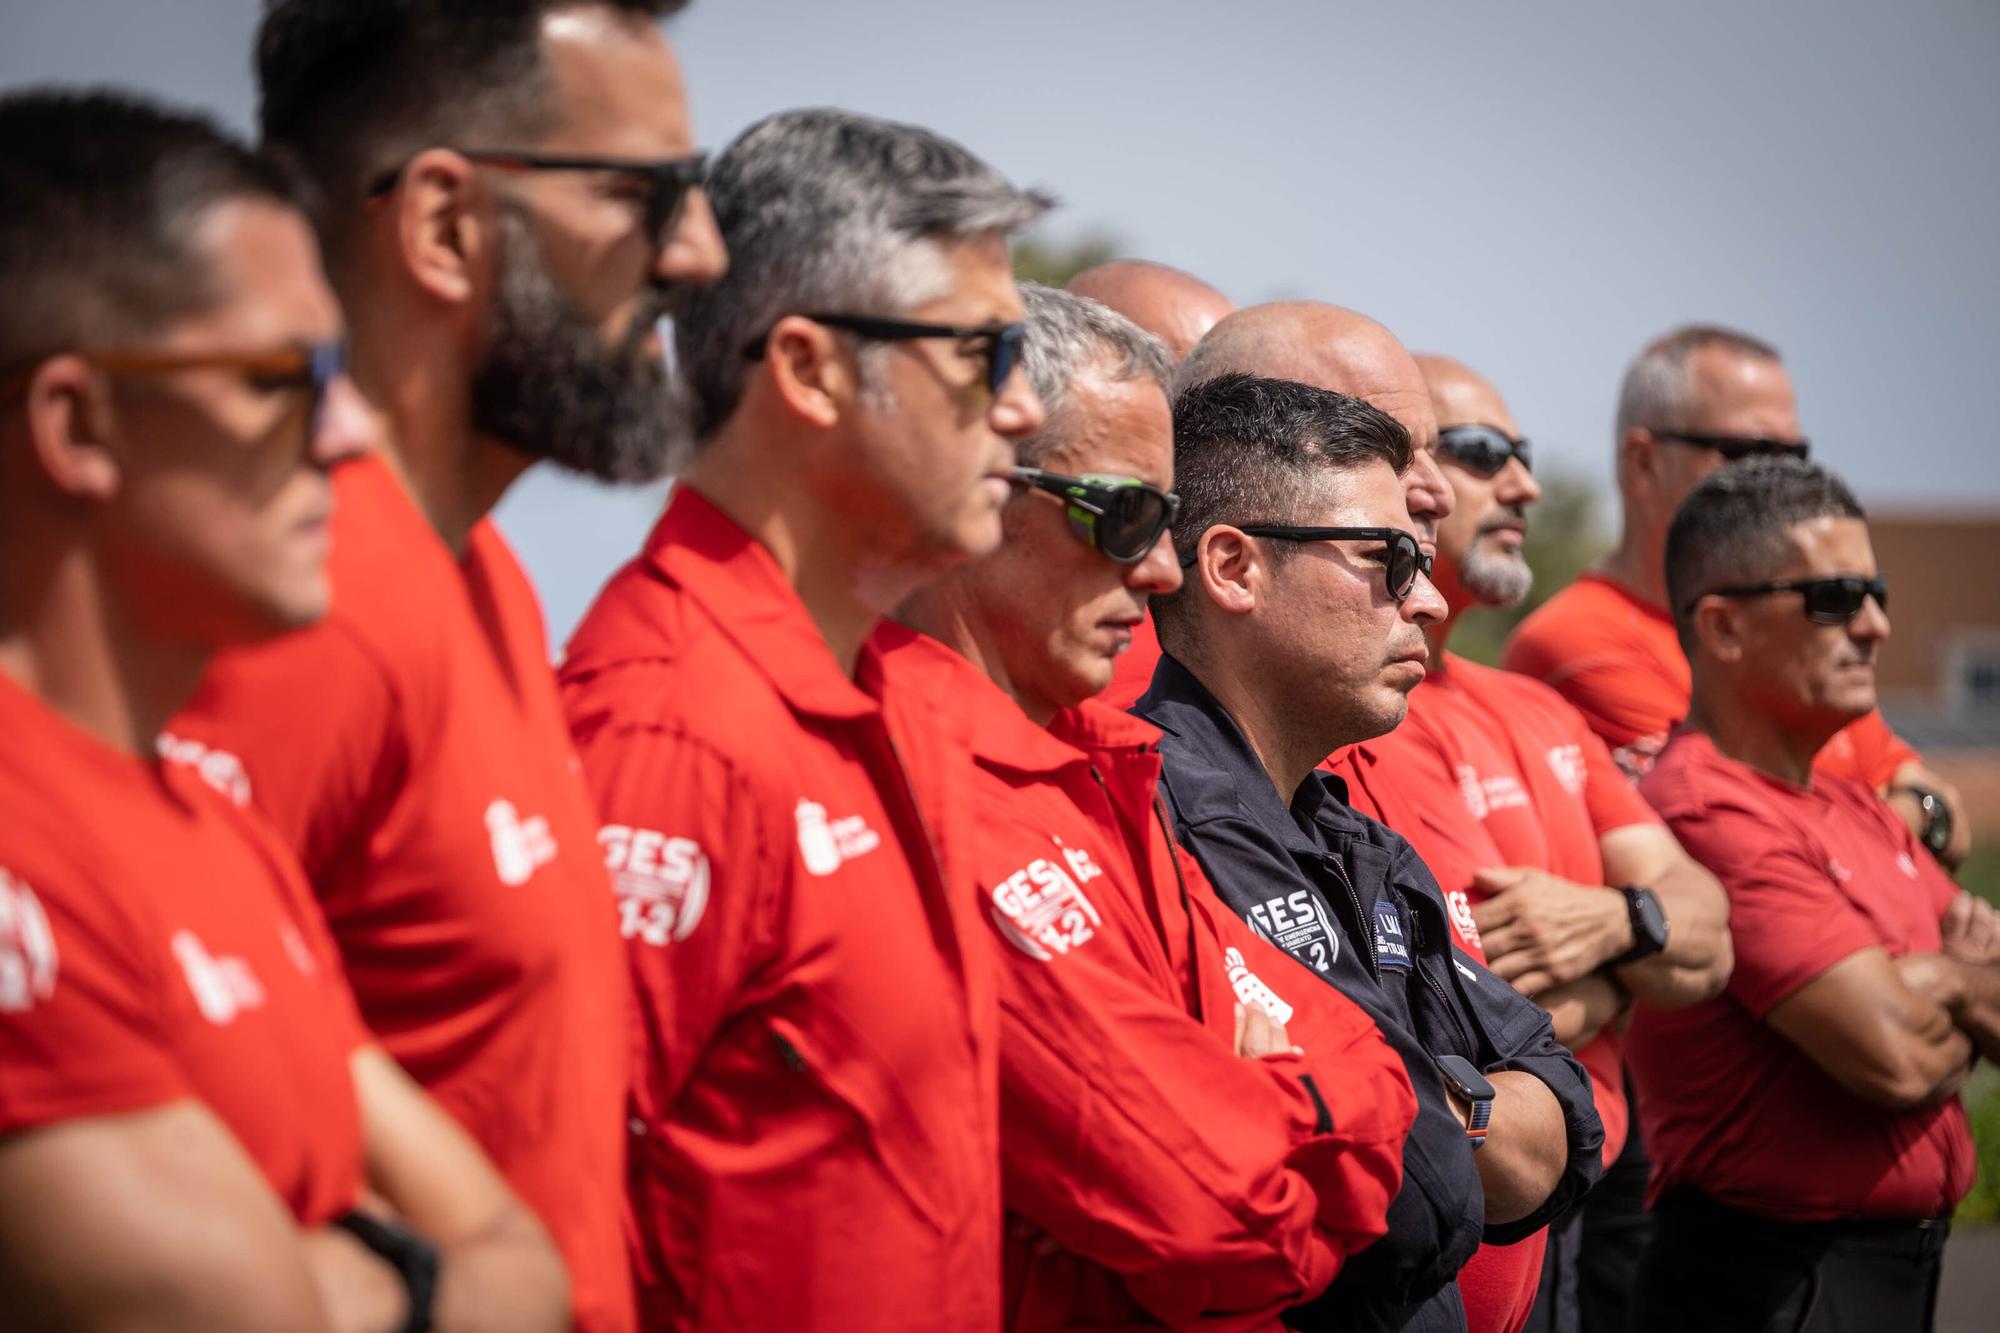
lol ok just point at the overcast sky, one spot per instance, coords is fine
(1535, 188)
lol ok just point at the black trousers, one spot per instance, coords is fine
(1722, 1270)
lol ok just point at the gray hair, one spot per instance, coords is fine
(1735, 527)
(1068, 335)
(829, 211)
(1658, 390)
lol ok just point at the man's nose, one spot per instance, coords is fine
(694, 253)
(1425, 604)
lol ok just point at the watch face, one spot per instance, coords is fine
(1649, 919)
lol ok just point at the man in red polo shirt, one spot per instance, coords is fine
(1589, 903)
(189, 1110)
(1692, 400)
(1807, 1135)
(1177, 308)
(815, 1080)
(504, 260)
(1176, 1181)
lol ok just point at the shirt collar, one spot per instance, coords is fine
(730, 574)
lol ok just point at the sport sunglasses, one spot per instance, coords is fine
(1484, 450)
(1000, 344)
(1734, 448)
(1831, 601)
(667, 182)
(1406, 558)
(309, 366)
(1120, 516)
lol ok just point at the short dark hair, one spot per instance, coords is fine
(1735, 527)
(103, 193)
(349, 88)
(1247, 449)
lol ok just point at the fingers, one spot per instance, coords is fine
(1498, 879)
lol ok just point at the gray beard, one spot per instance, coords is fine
(1496, 580)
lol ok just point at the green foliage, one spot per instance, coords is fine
(1039, 258)
(1566, 535)
(1981, 871)
(1982, 1105)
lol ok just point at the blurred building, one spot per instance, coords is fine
(1939, 674)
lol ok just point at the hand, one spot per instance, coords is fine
(1258, 1034)
(358, 1289)
(1971, 930)
(1583, 1008)
(1540, 931)
(1933, 976)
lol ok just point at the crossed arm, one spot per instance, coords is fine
(157, 1221)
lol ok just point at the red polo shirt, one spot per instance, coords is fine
(1730, 1107)
(815, 1078)
(1185, 1184)
(1132, 670)
(411, 750)
(1616, 659)
(157, 945)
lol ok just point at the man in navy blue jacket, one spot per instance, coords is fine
(1299, 630)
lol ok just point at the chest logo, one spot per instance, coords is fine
(27, 948)
(218, 768)
(661, 883)
(826, 844)
(1461, 916)
(1298, 924)
(1251, 990)
(1566, 762)
(1392, 945)
(223, 987)
(1041, 909)
(520, 846)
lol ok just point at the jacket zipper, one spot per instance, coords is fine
(1361, 918)
(1437, 987)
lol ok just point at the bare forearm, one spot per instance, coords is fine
(1526, 1147)
(1581, 1009)
(505, 1280)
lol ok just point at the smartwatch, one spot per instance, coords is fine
(1937, 830)
(1463, 1079)
(414, 1259)
(1649, 925)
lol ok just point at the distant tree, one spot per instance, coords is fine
(1044, 259)
(1565, 537)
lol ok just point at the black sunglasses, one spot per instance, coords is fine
(1406, 558)
(1736, 447)
(1121, 516)
(667, 182)
(1484, 450)
(1830, 601)
(1000, 344)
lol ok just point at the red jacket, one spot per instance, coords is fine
(1183, 1183)
(815, 1079)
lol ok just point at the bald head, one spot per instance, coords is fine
(1333, 348)
(1461, 396)
(1175, 307)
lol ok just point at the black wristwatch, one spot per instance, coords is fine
(1936, 833)
(414, 1259)
(1649, 925)
(1463, 1079)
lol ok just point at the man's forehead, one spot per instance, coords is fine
(1832, 544)
(1116, 427)
(616, 84)
(264, 268)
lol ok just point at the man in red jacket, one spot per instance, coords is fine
(815, 1099)
(1190, 1163)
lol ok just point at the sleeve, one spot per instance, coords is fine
(1868, 752)
(696, 886)
(81, 1005)
(1524, 1040)
(1788, 919)
(1608, 793)
(1134, 1137)
(1618, 689)
(320, 732)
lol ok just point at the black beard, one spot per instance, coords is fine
(548, 386)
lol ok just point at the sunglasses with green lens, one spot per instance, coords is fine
(1122, 517)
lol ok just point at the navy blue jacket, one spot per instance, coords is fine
(1352, 901)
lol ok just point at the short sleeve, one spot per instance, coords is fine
(698, 881)
(1867, 752)
(80, 1003)
(1608, 793)
(320, 733)
(1788, 919)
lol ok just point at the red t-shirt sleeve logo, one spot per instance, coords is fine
(27, 948)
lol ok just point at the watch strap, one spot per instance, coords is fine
(414, 1259)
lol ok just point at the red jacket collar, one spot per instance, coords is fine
(700, 549)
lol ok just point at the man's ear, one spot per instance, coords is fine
(812, 370)
(1231, 568)
(1718, 629)
(441, 236)
(1640, 458)
(72, 423)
